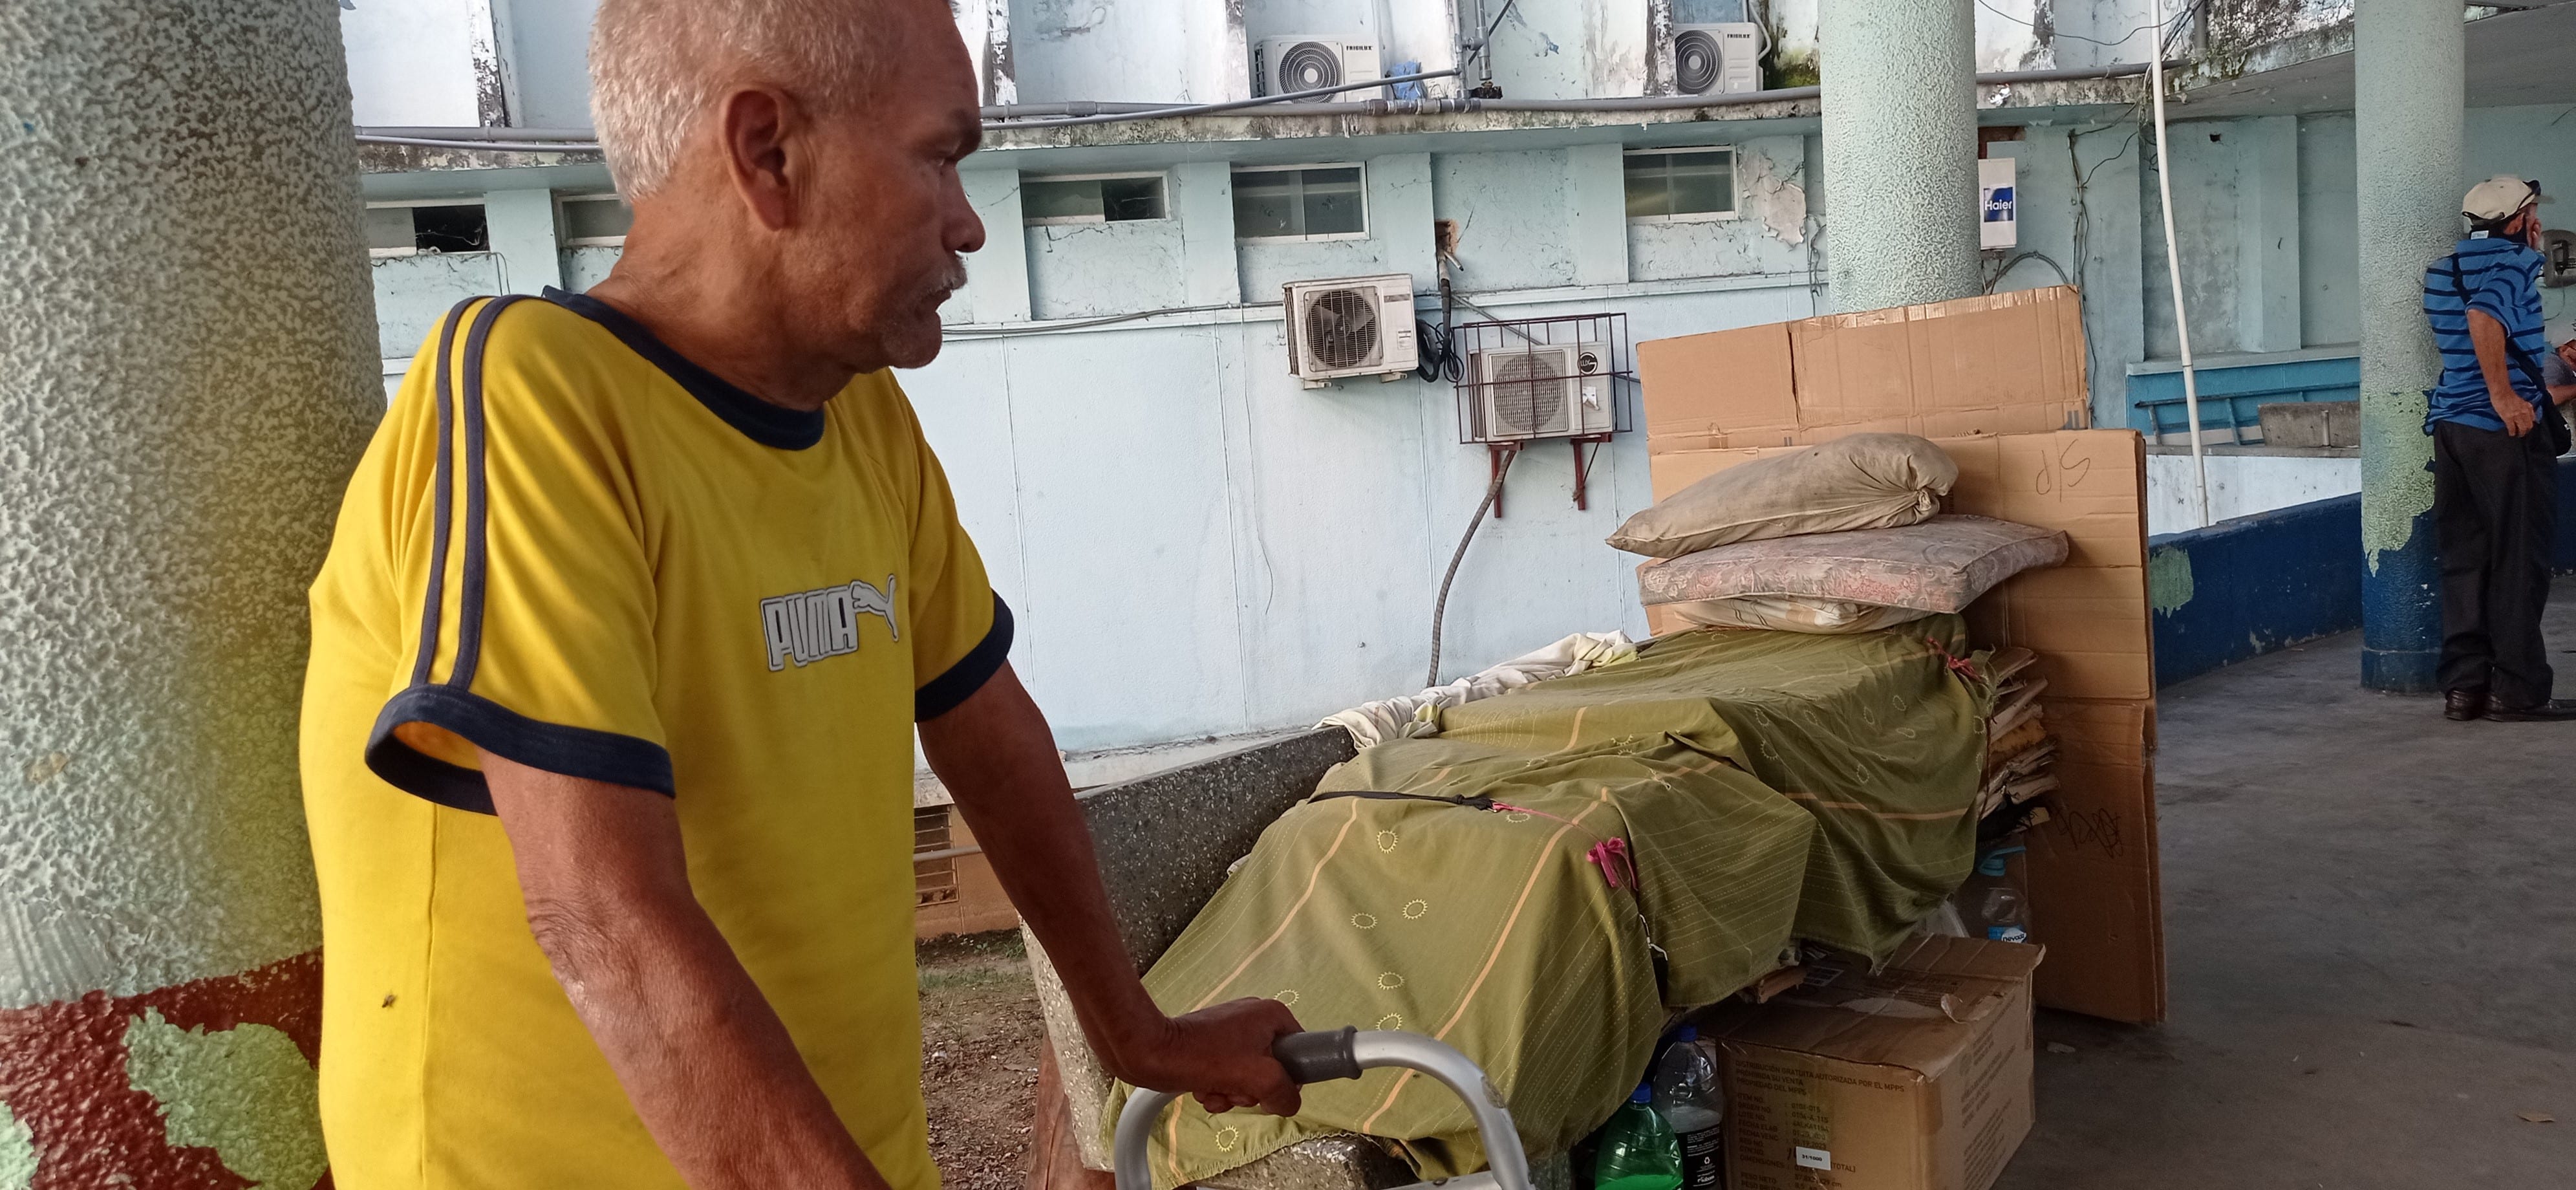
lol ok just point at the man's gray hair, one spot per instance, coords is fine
(657, 65)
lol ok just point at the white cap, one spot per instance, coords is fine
(2498, 198)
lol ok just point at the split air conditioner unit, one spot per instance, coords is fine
(1718, 59)
(1305, 63)
(1544, 390)
(1352, 326)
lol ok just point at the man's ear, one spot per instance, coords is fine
(755, 124)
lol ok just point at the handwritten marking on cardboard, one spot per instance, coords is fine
(2073, 464)
(2066, 472)
(2080, 829)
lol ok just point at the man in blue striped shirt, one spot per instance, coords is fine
(2496, 437)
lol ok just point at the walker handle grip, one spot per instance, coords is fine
(1318, 1057)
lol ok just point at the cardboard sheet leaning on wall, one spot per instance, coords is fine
(2004, 363)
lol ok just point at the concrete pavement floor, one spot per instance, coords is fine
(2370, 926)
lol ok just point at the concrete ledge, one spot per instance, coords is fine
(2248, 586)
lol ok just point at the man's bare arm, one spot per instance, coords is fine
(997, 757)
(2488, 337)
(702, 1056)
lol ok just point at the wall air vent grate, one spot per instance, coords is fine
(1696, 61)
(1529, 395)
(1341, 328)
(1309, 65)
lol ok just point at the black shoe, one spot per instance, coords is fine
(2554, 709)
(2464, 705)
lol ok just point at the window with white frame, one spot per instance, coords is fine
(1091, 198)
(1680, 185)
(1300, 202)
(593, 220)
(414, 227)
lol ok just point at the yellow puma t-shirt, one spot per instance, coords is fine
(574, 548)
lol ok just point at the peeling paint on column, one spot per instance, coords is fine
(2169, 579)
(69, 1081)
(17, 1152)
(2396, 484)
(245, 1092)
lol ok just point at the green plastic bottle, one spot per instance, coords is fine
(1638, 1149)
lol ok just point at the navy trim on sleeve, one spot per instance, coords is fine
(941, 694)
(441, 485)
(769, 425)
(469, 618)
(570, 751)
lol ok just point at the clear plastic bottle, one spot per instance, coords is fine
(1638, 1151)
(1688, 1097)
(1997, 908)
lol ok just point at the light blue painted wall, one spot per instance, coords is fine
(2233, 216)
(587, 265)
(545, 51)
(1082, 270)
(2329, 225)
(413, 291)
(1511, 215)
(1772, 233)
(2207, 174)
(1133, 51)
(1276, 549)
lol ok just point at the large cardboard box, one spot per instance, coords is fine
(1917, 1077)
(2004, 363)
(2095, 896)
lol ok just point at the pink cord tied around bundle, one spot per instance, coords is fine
(1612, 855)
(1966, 669)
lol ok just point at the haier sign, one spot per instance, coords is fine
(1996, 202)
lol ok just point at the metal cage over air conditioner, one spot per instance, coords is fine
(1568, 379)
(1538, 378)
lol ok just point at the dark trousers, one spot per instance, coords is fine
(2495, 506)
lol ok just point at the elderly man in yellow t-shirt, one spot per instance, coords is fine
(630, 616)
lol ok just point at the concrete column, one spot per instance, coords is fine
(521, 224)
(997, 278)
(1203, 200)
(2408, 121)
(1596, 207)
(1901, 149)
(189, 330)
(1400, 215)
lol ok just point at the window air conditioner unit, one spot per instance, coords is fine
(1719, 59)
(1544, 390)
(1284, 64)
(1353, 326)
